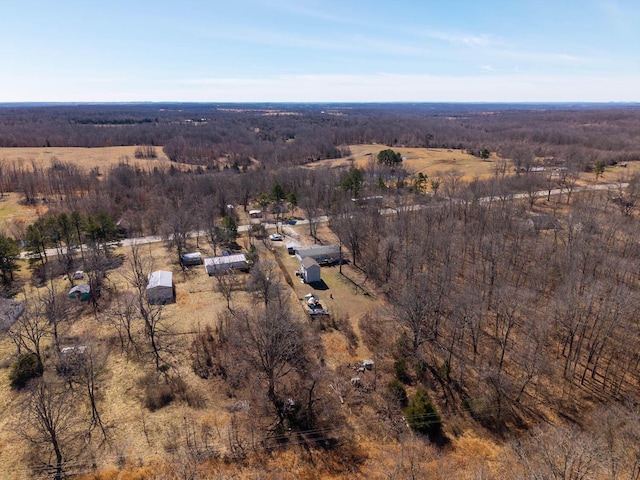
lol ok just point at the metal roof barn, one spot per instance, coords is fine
(237, 261)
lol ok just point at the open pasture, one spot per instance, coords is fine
(86, 158)
(429, 161)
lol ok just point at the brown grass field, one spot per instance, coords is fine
(433, 162)
(430, 161)
(343, 295)
(86, 158)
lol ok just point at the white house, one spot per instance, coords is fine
(160, 288)
(237, 261)
(310, 270)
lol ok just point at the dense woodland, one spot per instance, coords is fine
(294, 134)
(527, 331)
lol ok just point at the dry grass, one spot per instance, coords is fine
(86, 158)
(465, 458)
(430, 161)
(339, 294)
(141, 435)
(137, 433)
(13, 212)
(612, 174)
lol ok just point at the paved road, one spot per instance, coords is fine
(127, 242)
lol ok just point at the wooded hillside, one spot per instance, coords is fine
(498, 314)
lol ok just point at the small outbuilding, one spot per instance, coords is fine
(191, 259)
(368, 364)
(160, 289)
(291, 247)
(310, 270)
(323, 254)
(80, 292)
(255, 213)
(237, 261)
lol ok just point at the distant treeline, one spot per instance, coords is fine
(293, 134)
(112, 121)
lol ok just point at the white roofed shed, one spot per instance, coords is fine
(160, 288)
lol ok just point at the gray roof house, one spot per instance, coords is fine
(292, 247)
(320, 253)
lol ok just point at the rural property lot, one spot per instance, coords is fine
(364, 322)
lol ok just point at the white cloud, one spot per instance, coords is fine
(462, 39)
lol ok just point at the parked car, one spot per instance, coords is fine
(276, 237)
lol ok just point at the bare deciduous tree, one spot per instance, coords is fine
(49, 423)
(139, 268)
(559, 453)
(30, 330)
(226, 284)
(272, 342)
(265, 282)
(123, 316)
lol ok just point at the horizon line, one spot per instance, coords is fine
(328, 102)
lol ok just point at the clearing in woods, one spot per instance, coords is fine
(87, 158)
(14, 215)
(430, 161)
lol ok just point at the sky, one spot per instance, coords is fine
(320, 51)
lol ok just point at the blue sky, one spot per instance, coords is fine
(320, 51)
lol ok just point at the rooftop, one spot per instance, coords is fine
(160, 278)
